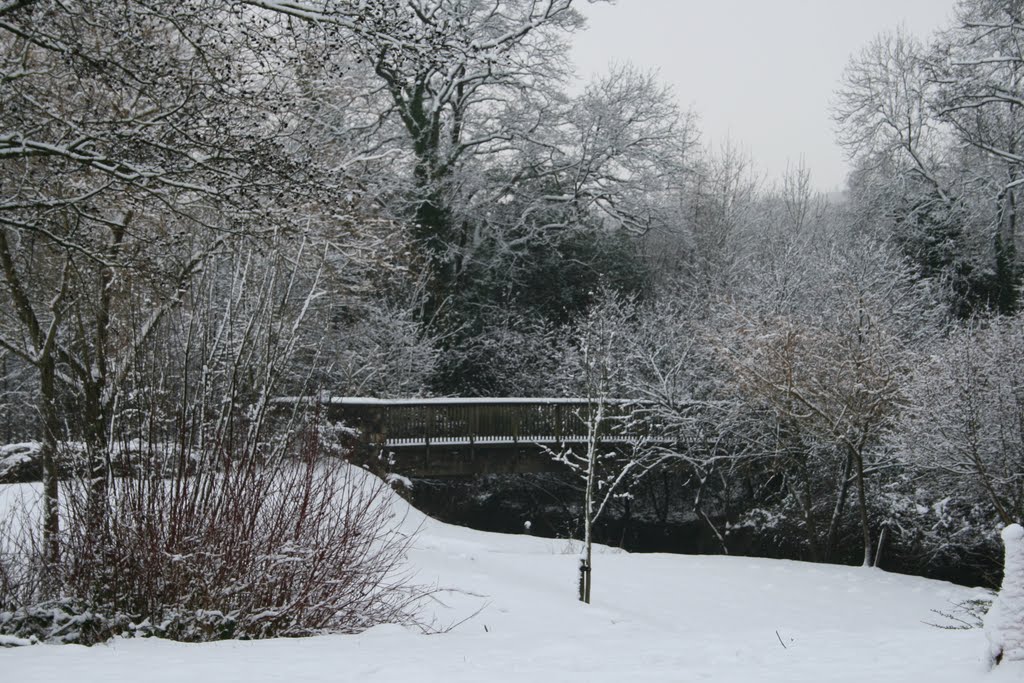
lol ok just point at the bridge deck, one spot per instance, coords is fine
(466, 436)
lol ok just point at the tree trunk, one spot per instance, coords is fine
(588, 528)
(96, 447)
(858, 460)
(807, 504)
(586, 566)
(837, 512)
(94, 381)
(1006, 248)
(48, 453)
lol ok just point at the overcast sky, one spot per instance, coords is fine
(759, 72)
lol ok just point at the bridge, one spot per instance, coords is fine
(452, 437)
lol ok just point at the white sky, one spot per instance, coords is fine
(760, 73)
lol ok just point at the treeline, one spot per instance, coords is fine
(209, 204)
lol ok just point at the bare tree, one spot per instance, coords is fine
(977, 68)
(137, 141)
(596, 369)
(831, 362)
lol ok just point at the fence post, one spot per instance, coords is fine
(428, 426)
(516, 414)
(558, 424)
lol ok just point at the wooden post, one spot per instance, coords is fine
(428, 426)
(558, 424)
(517, 416)
(378, 428)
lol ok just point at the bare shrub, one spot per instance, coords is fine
(214, 516)
(298, 544)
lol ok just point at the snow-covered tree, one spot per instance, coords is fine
(961, 430)
(598, 372)
(455, 76)
(977, 67)
(934, 131)
(827, 356)
(138, 140)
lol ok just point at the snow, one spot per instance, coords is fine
(1004, 623)
(510, 613)
(396, 480)
(15, 454)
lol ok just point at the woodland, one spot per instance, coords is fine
(206, 205)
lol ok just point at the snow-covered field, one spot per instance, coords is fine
(514, 617)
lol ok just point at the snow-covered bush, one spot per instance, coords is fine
(935, 534)
(253, 548)
(379, 350)
(20, 462)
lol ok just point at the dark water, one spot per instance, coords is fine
(547, 506)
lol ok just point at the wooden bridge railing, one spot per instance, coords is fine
(453, 437)
(426, 422)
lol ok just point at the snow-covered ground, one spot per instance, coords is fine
(514, 617)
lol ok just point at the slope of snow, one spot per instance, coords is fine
(510, 603)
